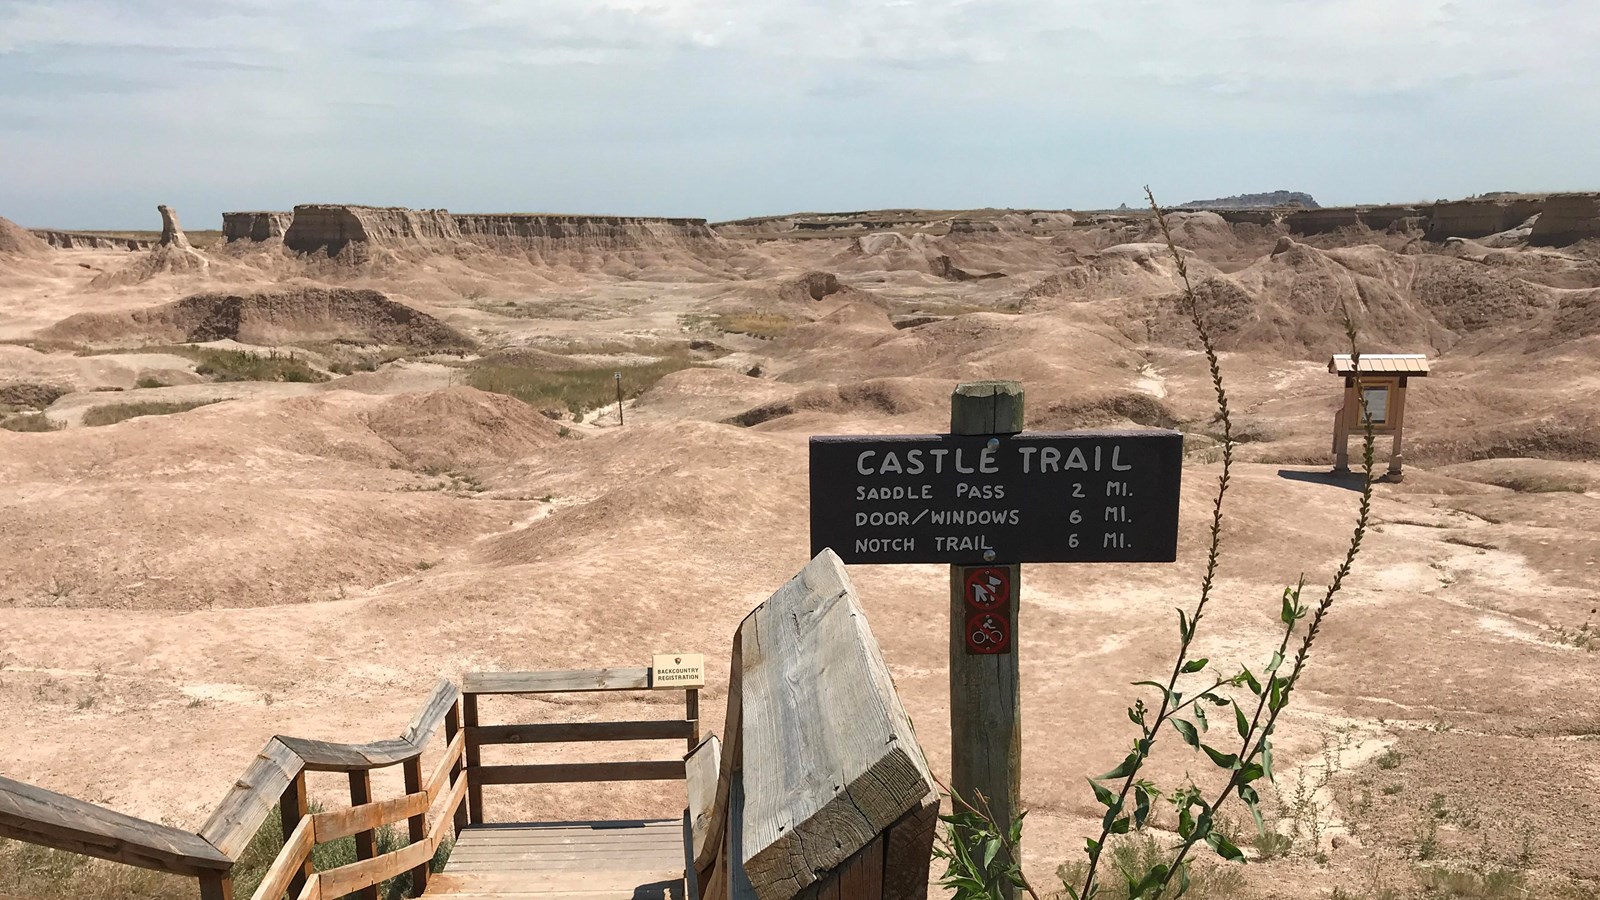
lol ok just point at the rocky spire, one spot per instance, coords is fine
(171, 232)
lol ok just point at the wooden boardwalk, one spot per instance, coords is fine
(634, 860)
(821, 792)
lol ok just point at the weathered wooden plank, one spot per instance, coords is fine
(908, 851)
(858, 878)
(55, 820)
(630, 679)
(632, 839)
(702, 768)
(417, 826)
(293, 807)
(706, 859)
(563, 773)
(448, 763)
(312, 889)
(691, 714)
(348, 879)
(691, 877)
(560, 732)
(454, 734)
(737, 886)
(216, 887)
(452, 804)
(250, 800)
(452, 883)
(326, 756)
(366, 838)
(289, 863)
(985, 689)
(369, 816)
(828, 755)
(469, 721)
(433, 713)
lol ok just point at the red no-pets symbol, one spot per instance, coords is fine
(988, 633)
(988, 587)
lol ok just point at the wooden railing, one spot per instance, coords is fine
(277, 777)
(820, 789)
(479, 684)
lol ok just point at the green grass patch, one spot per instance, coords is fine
(578, 390)
(240, 365)
(113, 413)
(258, 855)
(28, 422)
(763, 325)
(40, 873)
(1134, 854)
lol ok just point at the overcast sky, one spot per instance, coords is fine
(731, 108)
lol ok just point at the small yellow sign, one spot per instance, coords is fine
(678, 670)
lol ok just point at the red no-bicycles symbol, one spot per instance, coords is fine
(988, 633)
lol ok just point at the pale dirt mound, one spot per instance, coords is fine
(1122, 270)
(1205, 233)
(851, 324)
(186, 546)
(1577, 315)
(266, 318)
(460, 426)
(1466, 297)
(171, 260)
(944, 267)
(656, 486)
(1071, 347)
(809, 286)
(1100, 410)
(1535, 476)
(17, 241)
(876, 398)
(346, 484)
(1300, 295)
(340, 438)
(1571, 434)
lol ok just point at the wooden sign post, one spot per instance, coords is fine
(985, 697)
(984, 499)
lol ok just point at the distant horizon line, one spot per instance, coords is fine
(1488, 195)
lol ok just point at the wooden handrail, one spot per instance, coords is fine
(38, 816)
(555, 682)
(250, 800)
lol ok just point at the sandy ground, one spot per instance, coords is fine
(308, 558)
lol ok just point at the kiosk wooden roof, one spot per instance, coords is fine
(1410, 364)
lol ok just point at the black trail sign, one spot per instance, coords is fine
(1088, 496)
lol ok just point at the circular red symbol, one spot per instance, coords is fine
(988, 633)
(988, 587)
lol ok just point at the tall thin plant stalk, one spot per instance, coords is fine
(980, 854)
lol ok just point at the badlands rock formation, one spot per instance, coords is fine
(1566, 219)
(330, 228)
(171, 232)
(266, 318)
(255, 226)
(85, 240)
(18, 241)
